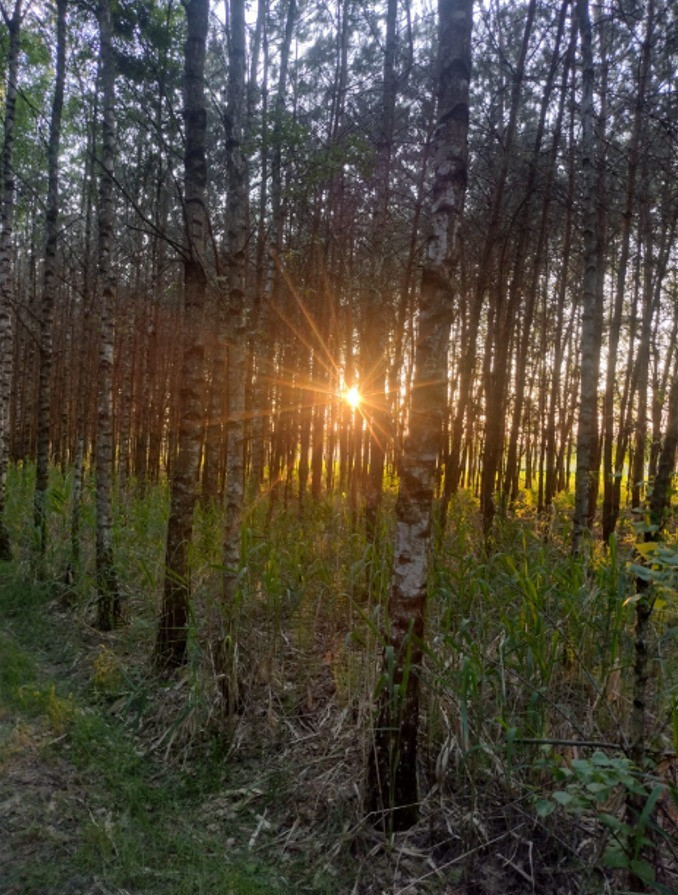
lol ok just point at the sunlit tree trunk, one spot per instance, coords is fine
(172, 631)
(108, 605)
(393, 761)
(590, 358)
(49, 286)
(259, 404)
(13, 23)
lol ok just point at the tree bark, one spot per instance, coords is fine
(610, 505)
(590, 357)
(108, 599)
(237, 345)
(392, 776)
(377, 306)
(13, 23)
(171, 643)
(49, 288)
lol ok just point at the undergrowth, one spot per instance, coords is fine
(527, 689)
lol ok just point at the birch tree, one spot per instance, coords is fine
(392, 779)
(107, 585)
(13, 23)
(172, 630)
(590, 345)
(49, 283)
(235, 317)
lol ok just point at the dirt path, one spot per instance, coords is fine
(43, 802)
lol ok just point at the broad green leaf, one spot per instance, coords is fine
(612, 822)
(544, 807)
(642, 870)
(641, 571)
(615, 857)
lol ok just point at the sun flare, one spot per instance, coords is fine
(352, 397)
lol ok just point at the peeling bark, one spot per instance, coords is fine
(108, 599)
(392, 773)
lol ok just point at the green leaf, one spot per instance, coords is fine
(598, 788)
(563, 798)
(642, 870)
(641, 572)
(601, 759)
(657, 791)
(611, 822)
(544, 807)
(615, 857)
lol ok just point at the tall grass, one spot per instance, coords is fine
(528, 653)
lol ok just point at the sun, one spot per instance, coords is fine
(352, 397)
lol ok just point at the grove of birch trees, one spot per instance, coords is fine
(274, 259)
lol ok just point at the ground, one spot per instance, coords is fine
(113, 782)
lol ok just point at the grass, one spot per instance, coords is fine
(524, 644)
(136, 824)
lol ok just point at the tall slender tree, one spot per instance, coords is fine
(236, 335)
(376, 327)
(13, 23)
(392, 779)
(610, 473)
(107, 584)
(172, 634)
(590, 345)
(49, 284)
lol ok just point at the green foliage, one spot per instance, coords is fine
(523, 642)
(600, 786)
(137, 826)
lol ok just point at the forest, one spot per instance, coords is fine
(338, 433)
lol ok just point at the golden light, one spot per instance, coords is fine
(352, 397)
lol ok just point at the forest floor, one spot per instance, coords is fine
(84, 808)
(114, 782)
(94, 805)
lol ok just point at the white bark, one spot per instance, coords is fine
(6, 275)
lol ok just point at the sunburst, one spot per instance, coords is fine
(352, 397)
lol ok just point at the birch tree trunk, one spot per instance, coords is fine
(376, 325)
(108, 605)
(392, 775)
(590, 359)
(237, 344)
(13, 23)
(49, 286)
(172, 630)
